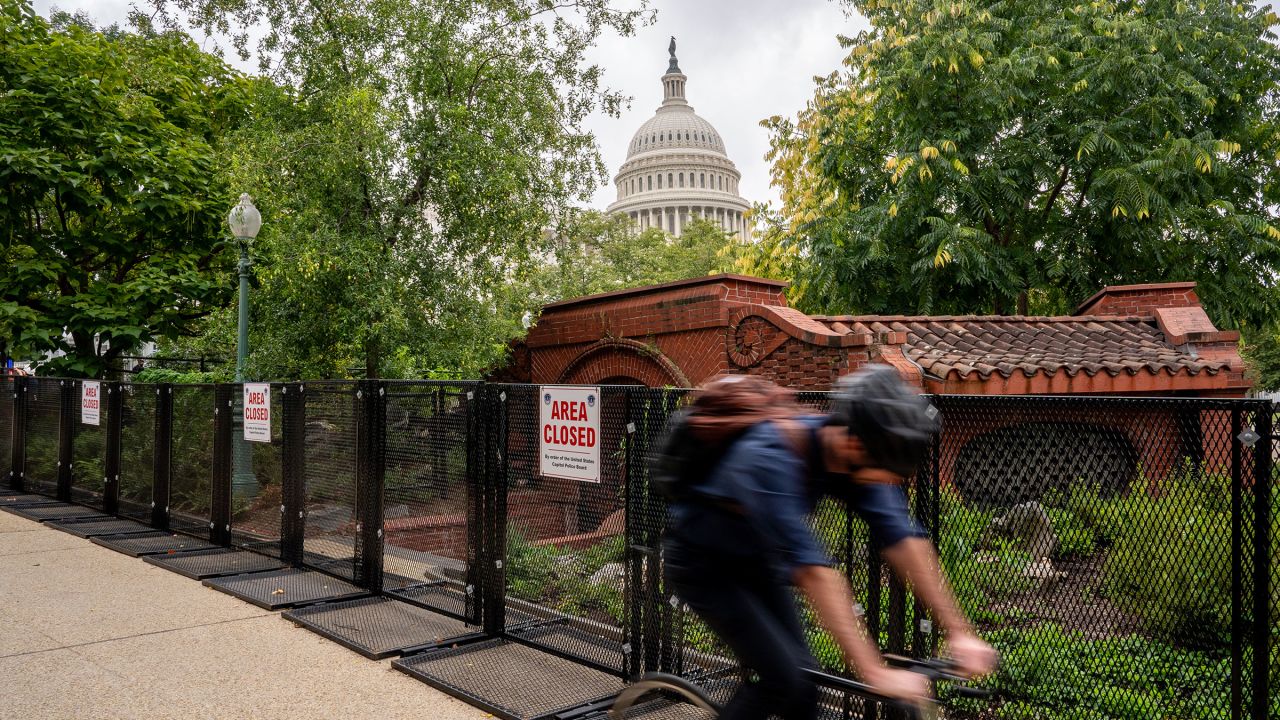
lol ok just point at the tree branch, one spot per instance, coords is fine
(1053, 196)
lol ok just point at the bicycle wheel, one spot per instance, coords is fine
(660, 696)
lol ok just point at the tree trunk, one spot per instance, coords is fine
(372, 358)
(1022, 303)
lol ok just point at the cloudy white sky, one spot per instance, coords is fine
(746, 60)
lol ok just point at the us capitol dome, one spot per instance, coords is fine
(677, 169)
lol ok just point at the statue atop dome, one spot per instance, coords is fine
(673, 66)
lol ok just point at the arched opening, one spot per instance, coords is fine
(1021, 463)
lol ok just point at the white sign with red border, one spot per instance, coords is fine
(90, 402)
(257, 412)
(569, 432)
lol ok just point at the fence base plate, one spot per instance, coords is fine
(25, 499)
(53, 511)
(214, 563)
(97, 526)
(152, 543)
(377, 627)
(290, 587)
(510, 680)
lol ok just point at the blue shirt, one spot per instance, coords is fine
(759, 498)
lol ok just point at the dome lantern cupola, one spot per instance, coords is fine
(673, 81)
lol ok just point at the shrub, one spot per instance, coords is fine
(1171, 563)
(1047, 673)
(176, 377)
(981, 568)
(530, 568)
(1075, 538)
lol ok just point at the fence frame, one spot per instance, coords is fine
(650, 626)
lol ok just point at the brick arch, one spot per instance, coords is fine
(614, 358)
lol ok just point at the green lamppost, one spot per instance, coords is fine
(245, 221)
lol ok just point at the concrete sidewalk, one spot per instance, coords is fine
(88, 633)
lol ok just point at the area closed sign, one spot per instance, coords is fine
(91, 402)
(257, 412)
(569, 437)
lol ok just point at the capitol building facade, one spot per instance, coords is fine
(677, 169)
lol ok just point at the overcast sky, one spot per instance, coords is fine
(746, 60)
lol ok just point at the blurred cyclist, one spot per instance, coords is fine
(753, 470)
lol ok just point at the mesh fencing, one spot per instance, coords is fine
(1118, 552)
(8, 398)
(257, 503)
(565, 539)
(429, 506)
(191, 459)
(1094, 542)
(44, 404)
(89, 452)
(329, 532)
(137, 450)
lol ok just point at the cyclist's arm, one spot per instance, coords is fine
(914, 560)
(833, 603)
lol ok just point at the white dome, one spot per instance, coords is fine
(677, 170)
(675, 127)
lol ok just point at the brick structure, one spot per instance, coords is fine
(1134, 340)
(1126, 340)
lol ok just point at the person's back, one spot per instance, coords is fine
(739, 537)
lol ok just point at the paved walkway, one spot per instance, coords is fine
(87, 633)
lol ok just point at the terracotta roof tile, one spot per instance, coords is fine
(964, 345)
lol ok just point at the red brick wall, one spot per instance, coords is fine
(1141, 300)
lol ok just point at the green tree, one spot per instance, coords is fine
(1019, 154)
(111, 196)
(408, 165)
(595, 253)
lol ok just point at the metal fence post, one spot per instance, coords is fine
(495, 613)
(163, 450)
(18, 436)
(293, 458)
(875, 567)
(115, 428)
(220, 489)
(473, 607)
(1262, 562)
(1237, 567)
(634, 559)
(370, 478)
(66, 436)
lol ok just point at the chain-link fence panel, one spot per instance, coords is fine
(44, 403)
(330, 529)
(191, 459)
(137, 450)
(428, 506)
(565, 538)
(1091, 541)
(89, 448)
(257, 500)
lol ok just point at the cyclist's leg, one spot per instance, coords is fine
(757, 619)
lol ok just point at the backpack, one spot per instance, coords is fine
(699, 436)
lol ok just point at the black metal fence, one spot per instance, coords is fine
(1119, 552)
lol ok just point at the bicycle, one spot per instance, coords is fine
(684, 690)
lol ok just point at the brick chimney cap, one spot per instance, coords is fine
(1120, 289)
(689, 282)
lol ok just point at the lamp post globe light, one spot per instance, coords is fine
(245, 221)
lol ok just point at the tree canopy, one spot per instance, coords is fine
(596, 253)
(409, 159)
(993, 156)
(111, 196)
